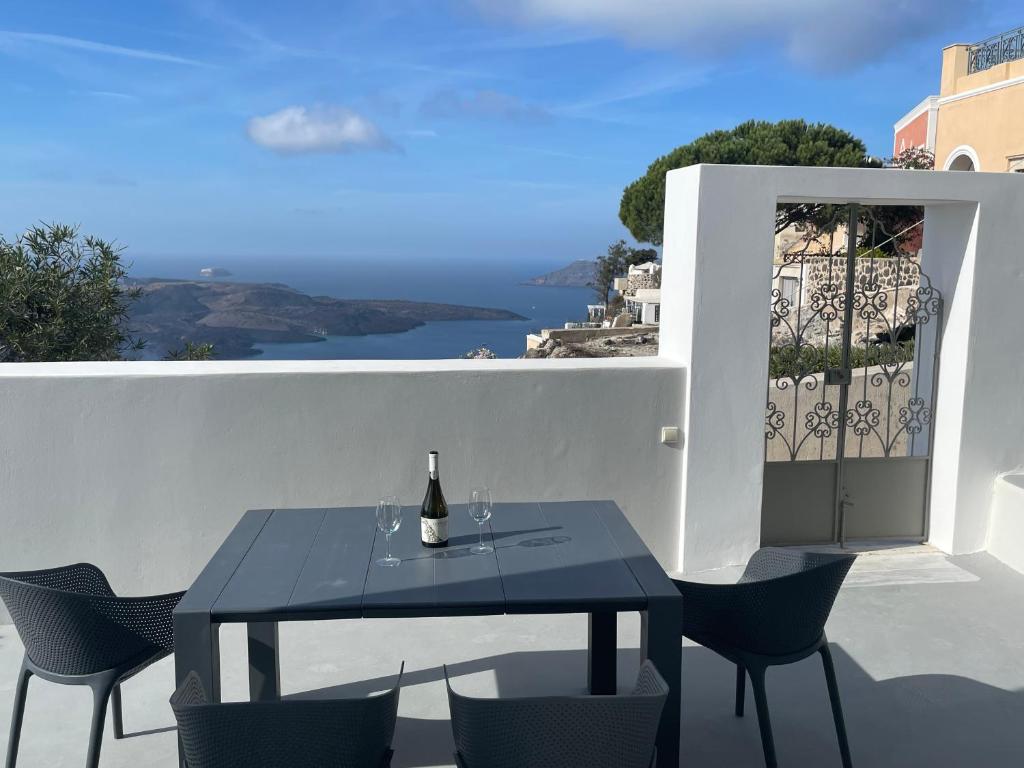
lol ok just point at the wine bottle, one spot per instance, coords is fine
(434, 513)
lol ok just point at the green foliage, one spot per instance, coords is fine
(615, 307)
(789, 142)
(63, 298)
(891, 230)
(915, 159)
(192, 351)
(616, 263)
(894, 225)
(788, 362)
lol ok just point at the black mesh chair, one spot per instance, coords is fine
(774, 615)
(76, 631)
(560, 731)
(340, 733)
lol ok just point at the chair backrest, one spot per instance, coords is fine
(341, 733)
(560, 731)
(778, 607)
(65, 619)
(798, 590)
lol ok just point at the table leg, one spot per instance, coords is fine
(264, 661)
(197, 649)
(601, 652)
(661, 638)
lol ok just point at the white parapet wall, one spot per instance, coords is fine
(143, 468)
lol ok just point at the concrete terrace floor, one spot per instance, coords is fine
(929, 653)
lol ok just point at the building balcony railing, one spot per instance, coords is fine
(1008, 46)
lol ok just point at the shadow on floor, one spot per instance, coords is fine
(938, 721)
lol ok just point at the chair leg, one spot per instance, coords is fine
(763, 720)
(837, 707)
(101, 691)
(741, 689)
(17, 715)
(115, 705)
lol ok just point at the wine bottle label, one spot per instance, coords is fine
(434, 530)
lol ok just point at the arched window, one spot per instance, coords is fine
(962, 163)
(963, 158)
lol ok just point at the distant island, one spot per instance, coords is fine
(214, 272)
(236, 316)
(579, 274)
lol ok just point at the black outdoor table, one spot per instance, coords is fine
(550, 557)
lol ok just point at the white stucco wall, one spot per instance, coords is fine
(715, 323)
(143, 468)
(1006, 530)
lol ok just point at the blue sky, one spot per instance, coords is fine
(421, 128)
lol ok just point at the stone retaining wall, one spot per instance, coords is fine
(887, 273)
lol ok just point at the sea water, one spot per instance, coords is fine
(475, 283)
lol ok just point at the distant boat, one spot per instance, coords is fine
(321, 332)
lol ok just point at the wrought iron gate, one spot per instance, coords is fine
(855, 333)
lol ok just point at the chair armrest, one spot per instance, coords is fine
(190, 693)
(649, 681)
(149, 618)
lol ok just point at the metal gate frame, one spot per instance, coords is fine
(859, 298)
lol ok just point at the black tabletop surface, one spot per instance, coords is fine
(558, 557)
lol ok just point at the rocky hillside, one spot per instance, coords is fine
(234, 316)
(579, 274)
(639, 344)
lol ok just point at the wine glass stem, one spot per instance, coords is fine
(388, 537)
(481, 535)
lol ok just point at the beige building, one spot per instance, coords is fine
(976, 122)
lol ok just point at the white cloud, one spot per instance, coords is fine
(824, 34)
(317, 129)
(112, 95)
(638, 85)
(91, 46)
(482, 104)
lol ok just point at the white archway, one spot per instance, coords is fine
(963, 158)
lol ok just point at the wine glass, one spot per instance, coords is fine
(480, 510)
(389, 519)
